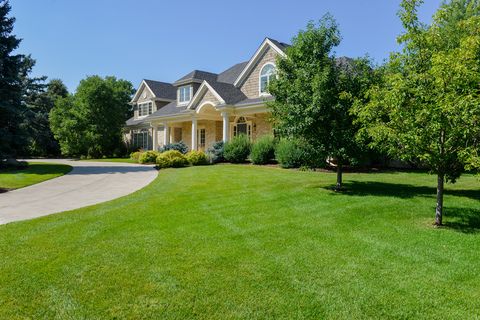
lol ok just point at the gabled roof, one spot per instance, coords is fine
(231, 74)
(196, 76)
(160, 90)
(278, 46)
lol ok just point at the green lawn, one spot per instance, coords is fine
(246, 242)
(126, 160)
(35, 172)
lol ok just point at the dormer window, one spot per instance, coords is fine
(266, 75)
(144, 109)
(184, 94)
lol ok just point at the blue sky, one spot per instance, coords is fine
(163, 40)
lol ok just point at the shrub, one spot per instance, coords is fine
(179, 146)
(215, 152)
(149, 156)
(238, 149)
(197, 158)
(135, 155)
(290, 153)
(263, 150)
(171, 159)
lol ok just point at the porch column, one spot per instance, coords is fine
(225, 117)
(154, 138)
(166, 134)
(194, 134)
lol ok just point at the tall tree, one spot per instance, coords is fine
(12, 138)
(314, 93)
(89, 123)
(428, 109)
(40, 98)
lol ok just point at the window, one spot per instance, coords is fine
(184, 94)
(201, 138)
(144, 109)
(242, 126)
(266, 75)
(140, 139)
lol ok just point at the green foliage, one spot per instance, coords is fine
(290, 153)
(215, 152)
(149, 156)
(14, 68)
(90, 122)
(197, 158)
(135, 156)
(263, 150)
(179, 146)
(314, 93)
(427, 110)
(171, 159)
(238, 149)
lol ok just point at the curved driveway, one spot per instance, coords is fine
(88, 183)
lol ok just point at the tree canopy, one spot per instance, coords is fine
(314, 92)
(428, 108)
(89, 123)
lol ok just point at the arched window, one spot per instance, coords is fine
(242, 126)
(266, 75)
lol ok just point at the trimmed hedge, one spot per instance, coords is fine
(290, 153)
(171, 159)
(197, 158)
(135, 155)
(149, 156)
(263, 150)
(238, 149)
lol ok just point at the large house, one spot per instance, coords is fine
(202, 108)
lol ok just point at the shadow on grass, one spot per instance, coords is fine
(466, 220)
(397, 190)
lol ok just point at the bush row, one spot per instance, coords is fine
(289, 153)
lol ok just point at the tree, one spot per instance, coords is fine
(314, 93)
(12, 137)
(89, 123)
(428, 108)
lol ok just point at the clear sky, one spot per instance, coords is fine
(163, 40)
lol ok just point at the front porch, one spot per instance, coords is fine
(207, 125)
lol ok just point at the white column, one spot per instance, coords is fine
(166, 134)
(154, 138)
(194, 134)
(225, 117)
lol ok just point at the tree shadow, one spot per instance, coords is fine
(465, 220)
(397, 190)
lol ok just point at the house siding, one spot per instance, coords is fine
(263, 126)
(250, 87)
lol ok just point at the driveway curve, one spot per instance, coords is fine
(88, 183)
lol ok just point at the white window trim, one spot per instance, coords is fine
(184, 103)
(141, 104)
(260, 93)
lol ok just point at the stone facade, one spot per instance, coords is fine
(262, 126)
(250, 87)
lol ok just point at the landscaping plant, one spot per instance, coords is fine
(149, 156)
(238, 149)
(290, 153)
(179, 146)
(197, 158)
(171, 159)
(216, 152)
(263, 150)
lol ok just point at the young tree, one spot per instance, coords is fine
(90, 122)
(428, 109)
(314, 93)
(12, 138)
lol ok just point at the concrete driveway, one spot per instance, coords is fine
(87, 184)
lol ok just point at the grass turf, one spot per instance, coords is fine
(35, 172)
(243, 242)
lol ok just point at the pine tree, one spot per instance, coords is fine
(12, 137)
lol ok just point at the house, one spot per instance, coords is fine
(202, 108)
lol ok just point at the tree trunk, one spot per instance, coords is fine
(439, 208)
(339, 175)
